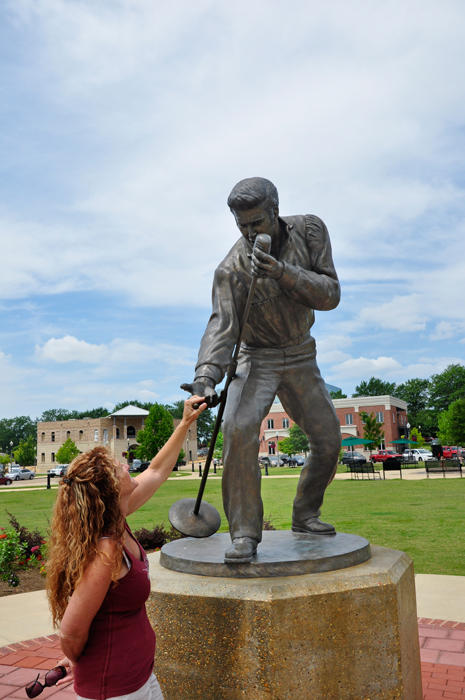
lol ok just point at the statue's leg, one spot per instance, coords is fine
(307, 401)
(249, 399)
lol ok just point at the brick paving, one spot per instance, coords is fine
(442, 652)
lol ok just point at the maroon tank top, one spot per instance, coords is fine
(119, 653)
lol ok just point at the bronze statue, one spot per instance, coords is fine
(277, 357)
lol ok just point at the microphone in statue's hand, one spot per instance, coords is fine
(263, 264)
(262, 242)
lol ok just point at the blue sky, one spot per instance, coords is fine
(125, 125)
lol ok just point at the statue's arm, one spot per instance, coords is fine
(317, 287)
(229, 297)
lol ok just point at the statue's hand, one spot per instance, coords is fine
(203, 386)
(264, 265)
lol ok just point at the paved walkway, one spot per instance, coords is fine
(441, 641)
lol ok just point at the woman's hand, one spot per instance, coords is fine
(190, 413)
(69, 671)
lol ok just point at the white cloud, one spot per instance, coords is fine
(70, 349)
(363, 366)
(402, 314)
(118, 352)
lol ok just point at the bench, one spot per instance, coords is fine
(363, 468)
(446, 466)
(392, 465)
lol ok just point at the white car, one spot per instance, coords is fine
(419, 455)
(59, 470)
(17, 473)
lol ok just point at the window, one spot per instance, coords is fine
(68, 434)
(105, 436)
(117, 433)
(81, 435)
(393, 417)
(380, 417)
(349, 418)
(43, 437)
(53, 437)
(285, 422)
(53, 456)
(271, 448)
(96, 435)
(131, 431)
(270, 424)
(42, 457)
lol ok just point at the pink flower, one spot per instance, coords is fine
(34, 549)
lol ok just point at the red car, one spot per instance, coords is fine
(450, 452)
(383, 455)
(5, 480)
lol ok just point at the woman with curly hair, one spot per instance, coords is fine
(98, 574)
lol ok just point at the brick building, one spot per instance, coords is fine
(118, 432)
(387, 409)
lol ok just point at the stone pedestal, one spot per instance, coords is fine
(340, 635)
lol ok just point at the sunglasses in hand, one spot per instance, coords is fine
(35, 688)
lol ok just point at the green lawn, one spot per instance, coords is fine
(423, 518)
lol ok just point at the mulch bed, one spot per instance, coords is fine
(30, 580)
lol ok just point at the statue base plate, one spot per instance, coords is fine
(281, 553)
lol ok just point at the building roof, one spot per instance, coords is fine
(130, 411)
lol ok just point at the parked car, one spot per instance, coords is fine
(353, 457)
(418, 455)
(59, 470)
(295, 461)
(451, 452)
(6, 480)
(383, 455)
(19, 473)
(271, 461)
(135, 466)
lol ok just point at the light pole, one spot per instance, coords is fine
(11, 453)
(277, 450)
(128, 451)
(408, 444)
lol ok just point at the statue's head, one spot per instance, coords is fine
(254, 203)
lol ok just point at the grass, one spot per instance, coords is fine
(423, 518)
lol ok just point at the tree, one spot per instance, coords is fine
(287, 446)
(205, 422)
(372, 430)
(218, 453)
(428, 420)
(60, 414)
(176, 408)
(25, 454)
(452, 424)
(158, 428)
(14, 430)
(415, 392)
(299, 439)
(67, 452)
(447, 387)
(337, 394)
(374, 387)
(417, 436)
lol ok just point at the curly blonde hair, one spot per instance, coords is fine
(88, 506)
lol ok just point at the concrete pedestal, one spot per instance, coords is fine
(340, 635)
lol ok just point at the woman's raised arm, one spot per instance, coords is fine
(162, 464)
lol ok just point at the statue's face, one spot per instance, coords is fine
(251, 222)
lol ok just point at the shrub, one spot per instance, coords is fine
(27, 537)
(156, 538)
(11, 555)
(267, 524)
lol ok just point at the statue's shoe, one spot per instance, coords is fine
(241, 551)
(314, 526)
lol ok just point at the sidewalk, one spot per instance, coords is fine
(441, 627)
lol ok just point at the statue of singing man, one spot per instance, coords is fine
(278, 357)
